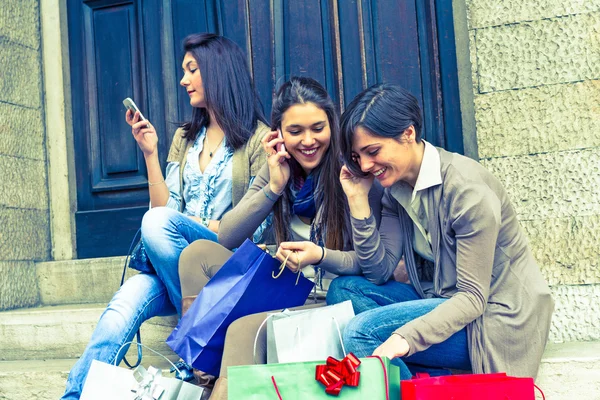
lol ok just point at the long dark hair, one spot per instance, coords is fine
(384, 110)
(329, 194)
(228, 89)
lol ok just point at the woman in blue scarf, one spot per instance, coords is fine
(300, 185)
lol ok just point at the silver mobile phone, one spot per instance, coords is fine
(280, 146)
(130, 105)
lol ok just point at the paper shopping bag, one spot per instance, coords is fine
(497, 386)
(249, 282)
(378, 380)
(308, 335)
(105, 381)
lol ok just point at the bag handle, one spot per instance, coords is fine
(138, 335)
(152, 350)
(282, 267)
(256, 337)
(541, 392)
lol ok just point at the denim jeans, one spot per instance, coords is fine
(381, 309)
(165, 233)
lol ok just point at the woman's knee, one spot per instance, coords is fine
(356, 335)
(156, 219)
(345, 288)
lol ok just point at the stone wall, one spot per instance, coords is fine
(536, 82)
(24, 214)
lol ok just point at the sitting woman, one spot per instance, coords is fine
(210, 167)
(300, 186)
(476, 299)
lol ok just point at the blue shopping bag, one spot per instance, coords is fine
(244, 285)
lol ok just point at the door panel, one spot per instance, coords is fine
(132, 48)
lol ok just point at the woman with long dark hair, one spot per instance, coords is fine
(300, 186)
(211, 164)
(476, 298)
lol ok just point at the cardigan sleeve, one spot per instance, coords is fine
(257, 155)
(350, 262)
(474, 218)
(378, 250)
(242, 221)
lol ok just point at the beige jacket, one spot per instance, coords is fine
(247, 161)
(483, 265)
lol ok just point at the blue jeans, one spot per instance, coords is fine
(381, 309)
(166, 233)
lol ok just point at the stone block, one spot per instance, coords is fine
(92, 280)
(64, 332)
(20, 21)
(576, 315)
(538, 120)
(25, 234)
(567, 249)
(473, 60)
(21, 75)
(483, 13)
(554, 185)
(539, 53)
(22, 132)
(18, 284)
(23, 183)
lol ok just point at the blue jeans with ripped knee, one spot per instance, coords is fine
(381, 309)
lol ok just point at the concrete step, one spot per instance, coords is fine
(60, 332)
(576, 315)
(569, 371)
(45, 379)
(93, 280)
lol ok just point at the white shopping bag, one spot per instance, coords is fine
(105, 381)
(307, 335)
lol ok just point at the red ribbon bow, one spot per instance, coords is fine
(336, 374)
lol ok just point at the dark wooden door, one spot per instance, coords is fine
(132, 49)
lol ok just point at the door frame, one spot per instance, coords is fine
(59, 113)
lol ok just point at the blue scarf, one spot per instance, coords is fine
(303, 194)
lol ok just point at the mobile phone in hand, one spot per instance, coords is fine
(279, 146)
(130, 105)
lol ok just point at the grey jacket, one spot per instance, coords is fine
(483, 265)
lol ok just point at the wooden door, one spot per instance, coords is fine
(132, 49)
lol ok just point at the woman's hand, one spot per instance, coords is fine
(357, 191)
(279, 168)
(354, 186)
(395, 346)
(307, 253)
(143, 133)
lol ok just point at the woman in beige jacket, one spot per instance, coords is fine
(476, 298)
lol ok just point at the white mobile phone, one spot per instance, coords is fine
(130, 105)
(280, 146)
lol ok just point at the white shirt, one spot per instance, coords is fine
(414, 201)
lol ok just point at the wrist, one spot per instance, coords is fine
(276, 191)
(151, 156)
(322, 256)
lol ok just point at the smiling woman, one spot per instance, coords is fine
(476, 298)
(301, 187)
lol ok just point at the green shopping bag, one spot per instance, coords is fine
(379, 380)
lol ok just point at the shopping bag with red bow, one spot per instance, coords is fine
(351, 378)
(469, 387)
